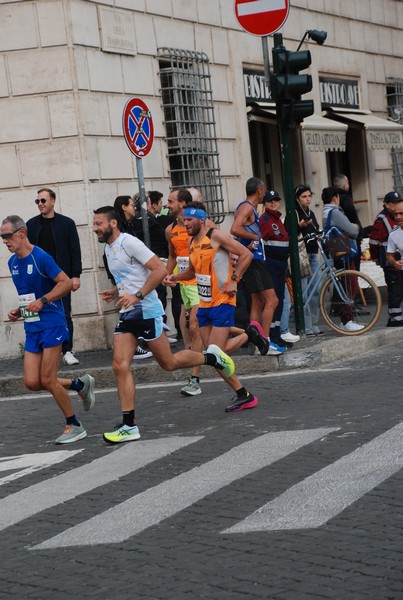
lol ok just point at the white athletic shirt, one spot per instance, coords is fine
(395, 241)
(126, 259)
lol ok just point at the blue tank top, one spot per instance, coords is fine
(258, 253)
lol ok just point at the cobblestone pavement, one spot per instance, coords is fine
(173, 516)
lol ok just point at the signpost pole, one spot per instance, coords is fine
(143, 201)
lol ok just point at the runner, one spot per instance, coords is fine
(137, 272)
(41, 284)
(210, 264)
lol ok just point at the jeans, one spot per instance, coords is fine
(311, 314)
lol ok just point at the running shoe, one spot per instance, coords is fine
(87, 393)
(192, 388)
(123, 433)
(275, 350)
(223, 361)
(256, 335)
(242, 403)
(290, 337)
(351, 326)
(71, 433)
(69, 359)
(141, 353)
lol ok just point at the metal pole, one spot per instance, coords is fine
(286, 159)
(143, 201)
(266, 59)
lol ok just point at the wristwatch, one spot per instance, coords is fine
(44, 300)
(139, 295)
(235, 277)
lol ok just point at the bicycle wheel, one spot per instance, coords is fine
(353, 297)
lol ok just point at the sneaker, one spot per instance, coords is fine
(87, 393)
(256, 335)
(241, 403)
(192, 388)
(318, 331)
(71, 433)
(69, 359)
(141, 353)
(224, 362)
(394, 323)
(290, 337)
(171, 340)
(351, 326)
(123, 433)
(275, 350)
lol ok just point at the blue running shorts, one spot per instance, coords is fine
(36, 341)
(217, 316)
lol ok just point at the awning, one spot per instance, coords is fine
(381, 133)
(321, 135)
(262, 112)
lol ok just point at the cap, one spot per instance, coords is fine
(271, 195)
(393, 197)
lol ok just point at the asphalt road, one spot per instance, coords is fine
(300, 498)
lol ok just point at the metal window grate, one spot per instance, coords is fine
(394, 96)
(187, 101)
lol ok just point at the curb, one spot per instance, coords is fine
(322, 353)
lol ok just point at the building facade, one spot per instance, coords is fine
(68, 67)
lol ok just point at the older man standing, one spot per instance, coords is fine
(57, 235)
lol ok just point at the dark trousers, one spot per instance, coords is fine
(67, 345)
(278, 272)
(394, 282)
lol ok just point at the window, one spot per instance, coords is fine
(394, 95)
(190, 127)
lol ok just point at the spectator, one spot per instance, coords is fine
(57, 235)
(346, 203)
(394, 256)
(333, 216)
(378, 241)
(276, 246)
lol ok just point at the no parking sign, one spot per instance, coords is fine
(138, 128)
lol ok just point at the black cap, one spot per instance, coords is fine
(393, 197)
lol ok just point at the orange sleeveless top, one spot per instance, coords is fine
(179, 240)
(213, 270)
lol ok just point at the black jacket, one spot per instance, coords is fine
(67, 243)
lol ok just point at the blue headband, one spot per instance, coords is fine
(196, 213)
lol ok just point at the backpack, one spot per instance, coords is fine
(339, 243)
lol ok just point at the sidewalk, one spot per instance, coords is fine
(308, 352)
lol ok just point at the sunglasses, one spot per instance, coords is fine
(41, 200)
(8, 236)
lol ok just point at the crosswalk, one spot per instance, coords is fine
(308, 504)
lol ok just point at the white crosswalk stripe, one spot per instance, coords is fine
(166, 499)
(323, 495)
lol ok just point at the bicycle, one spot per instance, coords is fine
(345, 294)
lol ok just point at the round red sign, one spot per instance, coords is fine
(261, 17)
(138, 128)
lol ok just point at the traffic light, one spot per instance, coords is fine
(287, 85)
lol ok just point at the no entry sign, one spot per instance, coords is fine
(138, 127)
(261, 17)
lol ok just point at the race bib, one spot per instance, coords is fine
(204, 287)
(23, 301)
(183, 263)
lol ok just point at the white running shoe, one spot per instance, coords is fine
(351, 326)
(70, 359)
(290, 337)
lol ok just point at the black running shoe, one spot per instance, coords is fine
(256, 335)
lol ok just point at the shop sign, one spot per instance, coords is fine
(385, 139)
(256, 88)
(339, 92)
(324, 141)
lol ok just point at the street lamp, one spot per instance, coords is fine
(317, 35)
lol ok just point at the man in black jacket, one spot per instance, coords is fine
(57, 235)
